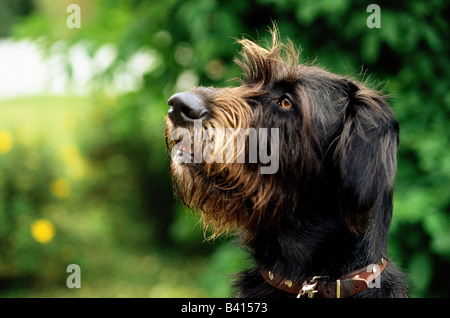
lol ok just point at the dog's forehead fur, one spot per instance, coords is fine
(262, 66)
(278, 63)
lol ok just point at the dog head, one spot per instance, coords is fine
(292, 139)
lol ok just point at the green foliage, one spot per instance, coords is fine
(125, 188)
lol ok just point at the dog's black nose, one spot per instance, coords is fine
(185, 108)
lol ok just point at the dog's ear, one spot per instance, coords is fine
(365, 155)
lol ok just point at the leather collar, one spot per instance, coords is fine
(318, 286)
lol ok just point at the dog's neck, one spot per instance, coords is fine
(322, 246)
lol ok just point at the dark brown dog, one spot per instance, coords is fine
(301, 162)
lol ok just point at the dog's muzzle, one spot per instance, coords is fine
(185, 108)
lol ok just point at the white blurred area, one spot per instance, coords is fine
(26, 70)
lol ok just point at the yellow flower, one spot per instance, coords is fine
(60, 188)
(42, 230)
(6, 141)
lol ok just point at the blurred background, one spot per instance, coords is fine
(84, 176)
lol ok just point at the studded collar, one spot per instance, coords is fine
(319, 286)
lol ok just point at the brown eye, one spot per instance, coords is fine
(286, 103)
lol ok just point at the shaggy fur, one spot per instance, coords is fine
(328, 208)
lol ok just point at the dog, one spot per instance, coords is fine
(300, 163)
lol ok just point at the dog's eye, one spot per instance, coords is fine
(286, 103)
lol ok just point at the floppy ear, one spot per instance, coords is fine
(365, 155)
